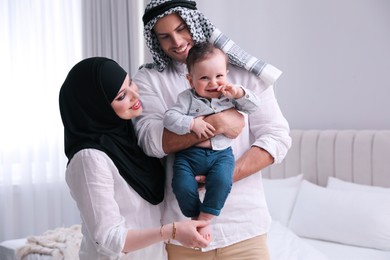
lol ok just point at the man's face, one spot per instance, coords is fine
(174, 37)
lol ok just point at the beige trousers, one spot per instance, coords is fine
(251, 249)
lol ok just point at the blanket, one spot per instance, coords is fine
(60, 243)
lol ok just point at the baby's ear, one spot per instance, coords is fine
(189, 78)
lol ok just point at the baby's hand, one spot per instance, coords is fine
(231, 91)
(201, 128)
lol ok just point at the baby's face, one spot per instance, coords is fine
(207, 75)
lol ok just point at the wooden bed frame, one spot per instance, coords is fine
(359, 156)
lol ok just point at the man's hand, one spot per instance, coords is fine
(201, 179)
(229, 123)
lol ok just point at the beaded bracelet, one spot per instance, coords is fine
(161, 230)
(173, 230)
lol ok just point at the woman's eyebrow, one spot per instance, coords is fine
(120, 92)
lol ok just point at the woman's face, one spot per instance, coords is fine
(126, 103)
(174, 37)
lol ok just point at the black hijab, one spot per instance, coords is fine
(90, 122)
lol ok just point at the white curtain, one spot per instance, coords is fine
(114, 29)
(40, 40)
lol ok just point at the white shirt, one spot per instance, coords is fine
(245, 214)
(109, 207)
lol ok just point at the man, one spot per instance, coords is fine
(171, 29)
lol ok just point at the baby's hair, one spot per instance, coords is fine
(200, 52)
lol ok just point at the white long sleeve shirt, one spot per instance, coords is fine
(245, 214)
(109, 207)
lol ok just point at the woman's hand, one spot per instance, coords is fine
(187, 233)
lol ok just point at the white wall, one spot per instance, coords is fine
(335, 55)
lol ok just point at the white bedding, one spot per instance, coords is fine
(60, 243)
(336, 251)
(344, 210)
(8, 251)
(285, 245)
(305, 215)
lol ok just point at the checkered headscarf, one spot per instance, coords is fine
(201, 30)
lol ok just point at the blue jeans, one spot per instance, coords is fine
(217, 166)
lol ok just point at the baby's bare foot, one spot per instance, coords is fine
(205, 231)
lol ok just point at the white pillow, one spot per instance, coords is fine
(349, 217)
(280, 195)
(337, 184)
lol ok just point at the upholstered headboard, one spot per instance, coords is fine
(360, 156)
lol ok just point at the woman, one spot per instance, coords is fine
(171, 28)
(117, 187)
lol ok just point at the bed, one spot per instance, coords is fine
(62, 243)
(329, 199)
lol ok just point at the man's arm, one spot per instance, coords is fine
(172, 142)
(229, 123)
(252, 161)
